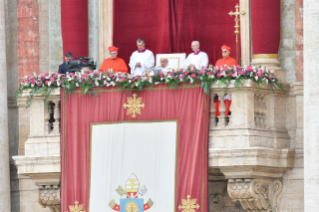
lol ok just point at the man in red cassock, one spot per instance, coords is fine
(114, 63)
(226, 60)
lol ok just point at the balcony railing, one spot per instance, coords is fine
(249, 144)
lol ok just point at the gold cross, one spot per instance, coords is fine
(236, 14)
(134, 105)
(76, 207)
(189, 205)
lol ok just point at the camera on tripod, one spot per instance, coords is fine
(80, 64)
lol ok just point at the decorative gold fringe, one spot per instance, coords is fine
(150, 203)
(112, 204)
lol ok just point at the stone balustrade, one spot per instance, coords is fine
(41, 160)
(250, 147)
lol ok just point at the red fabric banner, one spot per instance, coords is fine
(169, 26)
(265, 25)
(75, 27)
(188, 105)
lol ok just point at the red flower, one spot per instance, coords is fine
(230, 74)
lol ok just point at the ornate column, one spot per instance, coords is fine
(5, 205)
(311, 105)
(105, 28)
(265, 19)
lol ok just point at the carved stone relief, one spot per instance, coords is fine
(49, 196)
(219, 201)
(255, 195)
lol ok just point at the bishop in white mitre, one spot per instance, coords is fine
(141, 60)
(197, 59)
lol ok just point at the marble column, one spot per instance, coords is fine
(245, 35)
(105, 28)
(5, 205)
(311, 105)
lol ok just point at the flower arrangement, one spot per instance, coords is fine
(44, 84)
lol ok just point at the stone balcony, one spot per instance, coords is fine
(249, 150)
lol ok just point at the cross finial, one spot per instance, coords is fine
(236, 14)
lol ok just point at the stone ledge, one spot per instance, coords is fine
(249, 163)
(35, 165)
(248, 137)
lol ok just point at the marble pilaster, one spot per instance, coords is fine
(311, 105)
(5, 204)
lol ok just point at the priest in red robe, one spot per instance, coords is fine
(226, 60)
(114, 63)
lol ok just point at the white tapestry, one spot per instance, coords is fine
(135, 160)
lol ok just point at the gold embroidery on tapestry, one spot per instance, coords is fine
(76, 207)
(134, 106)
(188, 205)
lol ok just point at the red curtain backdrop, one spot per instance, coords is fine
(75, 27)
(265, 25)
(169, 26)
(188, 105)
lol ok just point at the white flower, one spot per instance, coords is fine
(76, 84)
(136, 84)
(113, 83)
(130, 81)
(150, 80)
(256, 77)
(96, 83)
(251, 74)
(156, 83)
(211, 76)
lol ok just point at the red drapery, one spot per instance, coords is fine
(75, 27)
(169, 26)
(188, 105)
(265, 21)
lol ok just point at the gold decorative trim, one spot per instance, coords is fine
(152, 88)
(134, 106)
(76, 207)
(265, 56)
(188, 205)
(176, 58)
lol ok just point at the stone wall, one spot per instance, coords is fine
(292, 196)
(299, 39)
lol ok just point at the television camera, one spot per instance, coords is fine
(80, 64)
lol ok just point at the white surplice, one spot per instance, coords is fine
(146, 59)
(200, 60)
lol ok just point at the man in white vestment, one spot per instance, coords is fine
(141, 60)
(197, 59)
(165, 66)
